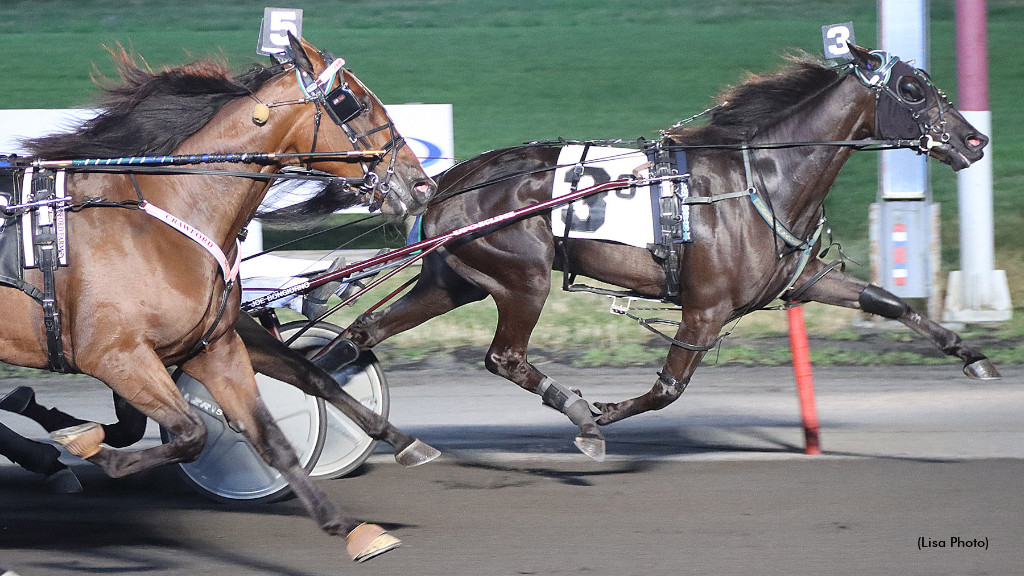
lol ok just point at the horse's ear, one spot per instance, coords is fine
(299, 54)
(863, 58)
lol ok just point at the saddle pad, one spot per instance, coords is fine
(625, 216)
(21, 235)
(10, 236)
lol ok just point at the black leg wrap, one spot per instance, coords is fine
(875, 300)
(339, 353)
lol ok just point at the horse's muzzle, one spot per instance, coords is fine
(961, 154)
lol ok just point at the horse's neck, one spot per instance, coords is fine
(797, 179)
(220, 206)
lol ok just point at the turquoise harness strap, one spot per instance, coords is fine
(762, 207)
(769, 217)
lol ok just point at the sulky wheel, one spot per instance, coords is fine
(229, 469)
(346, 446)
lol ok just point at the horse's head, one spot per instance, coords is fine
(355, 120)
(910, 107)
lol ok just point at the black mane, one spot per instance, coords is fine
(151, 113)
(757, 103)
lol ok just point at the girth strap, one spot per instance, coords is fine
(568, 276)
(45, 248)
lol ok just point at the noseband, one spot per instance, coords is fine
(901, 114)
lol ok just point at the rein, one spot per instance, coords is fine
(865, 145)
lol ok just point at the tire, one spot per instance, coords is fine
(229, 468)
(346, 446)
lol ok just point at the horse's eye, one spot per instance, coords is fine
(910, 89)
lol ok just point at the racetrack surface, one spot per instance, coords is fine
(922, 473)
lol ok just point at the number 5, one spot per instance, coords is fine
(281, 23)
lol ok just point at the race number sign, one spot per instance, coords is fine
(277, 23)
(836, 38)
(624, 216)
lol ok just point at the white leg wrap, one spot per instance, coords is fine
(565, 401)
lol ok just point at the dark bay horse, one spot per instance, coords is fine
(138, 294)
(738, 261)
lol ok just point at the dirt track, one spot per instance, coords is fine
(716, 484)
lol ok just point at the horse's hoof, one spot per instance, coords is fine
(63, 481)
(18, 399)
(417, 453)
(82, 440)
(368, 541)
(982, 370)
(592, 446)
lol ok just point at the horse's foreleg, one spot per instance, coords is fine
(272, 357)
(151, 390)
(838, 289)
(226, 371)
(698, 330)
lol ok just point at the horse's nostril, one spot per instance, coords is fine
(974, 141)
(425, 189)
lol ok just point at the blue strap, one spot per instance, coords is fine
(416, 233)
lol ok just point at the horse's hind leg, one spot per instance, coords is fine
(272, 357)
(225, 369)
(39, 458)
(838, 289)
(129, 428)
(518, 313)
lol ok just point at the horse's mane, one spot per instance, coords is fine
(758, 102)
(150, 113)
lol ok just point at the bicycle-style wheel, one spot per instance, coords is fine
(229, 468)
(346, 446)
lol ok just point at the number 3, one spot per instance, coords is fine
(840, 35)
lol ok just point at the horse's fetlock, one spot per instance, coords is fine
(192, 442)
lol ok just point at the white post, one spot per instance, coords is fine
(977, 292)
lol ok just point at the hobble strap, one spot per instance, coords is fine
(668, 380)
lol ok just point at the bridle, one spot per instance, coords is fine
(343, 107)
(905, 88)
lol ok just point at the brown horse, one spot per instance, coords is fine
(138, 295)
(798, 127)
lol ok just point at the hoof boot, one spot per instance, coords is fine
(368, 541)
(82, 440)
(982, 370)
(417, 453)
(592, 446)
